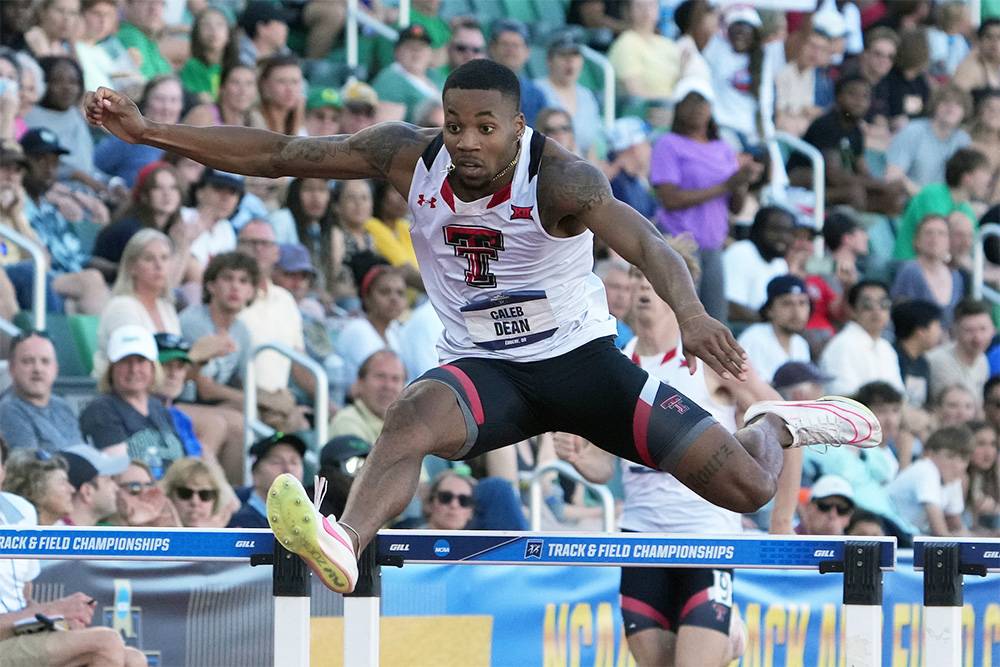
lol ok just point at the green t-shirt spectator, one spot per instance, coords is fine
(437, 29)
(934, 198)
(153, 62)
(197, 77)
(393, 85)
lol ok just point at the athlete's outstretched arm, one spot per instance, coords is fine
(579, 193)
(255, 152)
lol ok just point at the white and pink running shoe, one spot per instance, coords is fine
(831, 420)
(324, 545)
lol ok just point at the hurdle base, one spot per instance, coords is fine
(363, 610)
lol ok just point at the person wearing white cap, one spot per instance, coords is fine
(95, 493)
(828, 509)
(630, 153)
(126, 418)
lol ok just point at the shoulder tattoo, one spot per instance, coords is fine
(577, 184)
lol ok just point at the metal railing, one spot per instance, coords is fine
(779, 177)
(536, 500)
(38, 288)
(253, 428)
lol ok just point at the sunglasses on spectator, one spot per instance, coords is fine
(445, 498)
(468, 48)
(135, 488)
(557, 128)
(993, 401)
(868, 303)
(170, 341)
(826, 505)
(204, 495)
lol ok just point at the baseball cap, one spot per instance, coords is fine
(295, 257)
(693, 84)
(84, 463)
(40, 141)
(323, 97)
(511, 25)
(11, 153)
(831, 485)
(797, 372)
(626, 132)
(223, 179)
(782, 285)
(261, 11)
(346, 452)
(414, 32)
(742, 13)
(130, 339)
(262, 447)
(565, 40)
(172, 346)
(830, 23)
(358, 92)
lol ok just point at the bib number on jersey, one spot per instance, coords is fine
(510, 319)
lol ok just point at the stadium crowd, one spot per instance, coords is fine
(170, 274)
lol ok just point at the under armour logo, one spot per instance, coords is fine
(520, 212)
(421, 201)
(674, 403)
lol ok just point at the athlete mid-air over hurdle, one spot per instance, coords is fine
(504, 221)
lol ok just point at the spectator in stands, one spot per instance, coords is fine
(209, 35)
(563, 90)
(294, 271)
(797, 103)
(778, 339)
(274, 317)
(699, 181)
(126, 418)
(55, 28)
(15, 20)
(281, 102)
(929, 492)
(141, 501)
(982, 491)
(981, 68)
(985, 133)
(864, 524)
(907, 84)
(509, 46)
(390, 227)
(381, 380)
(59, 111)
(177, 366)
(647, 64)
(928, 277)
(234, 103)
(40, 478)
(837, 134)
(409, 80)
(339, 461)
(749, 265)
(200, 493)
(83, 288)
(323, 112)
(103, 57)
(449, 502)
(31, 416)
(95, 493)
(558, 124)
(162, 102)
(991, 401)
(383, 298)
(898, 442)
(272, 456)
(955, 405)
(217, 196)
(859, 354)
(629, 152)
(963, 360)
(919, 151)
(967, 177)
(309, 214)
(697, 21)
(466, 43)
(353, 207)
(828, 509)
(873, 64)
(361, 107)
(265, 32)
(917, 324)
(799, 381)
(614, 273)
(141, 30)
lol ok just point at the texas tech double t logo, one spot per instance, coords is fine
(478, 245)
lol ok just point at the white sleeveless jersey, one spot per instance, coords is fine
(502, 286)
(656, 502)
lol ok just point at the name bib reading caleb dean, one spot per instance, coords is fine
(510, 319)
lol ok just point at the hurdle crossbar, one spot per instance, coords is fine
(944, 564)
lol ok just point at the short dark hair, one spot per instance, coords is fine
(986, 25)
(483, 74)
(988, 387)
(969, 307)
(763, 215)
(962, 162)
(845, 81)
(914, 314)
(854, 293)
(836, 227)
(4, 450)
(229, 261)
(956, 439)
(863, 516)
(877, 393)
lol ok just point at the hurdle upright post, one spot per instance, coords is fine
(290, 582)
(862, 601)
(362, 611)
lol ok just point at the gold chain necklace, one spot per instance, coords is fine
(509, 166)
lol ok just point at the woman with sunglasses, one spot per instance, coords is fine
(199, 492)
(449, 502)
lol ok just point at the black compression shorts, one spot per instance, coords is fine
(668, 598)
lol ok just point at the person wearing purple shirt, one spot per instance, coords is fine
(699, 181)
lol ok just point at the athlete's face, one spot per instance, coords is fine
(481, 130)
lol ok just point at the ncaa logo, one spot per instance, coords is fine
(442, 548)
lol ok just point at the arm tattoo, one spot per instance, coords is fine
(377, 146)
(579, 184)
